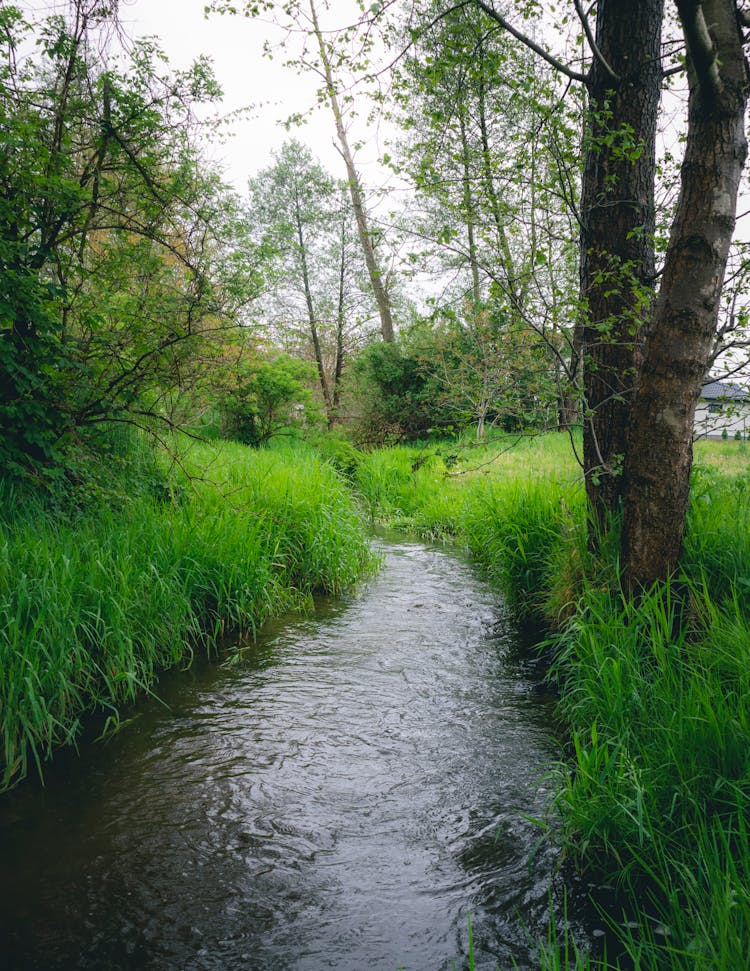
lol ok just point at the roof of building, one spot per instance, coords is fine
(726, 390)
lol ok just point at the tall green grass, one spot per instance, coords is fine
(655, 794)
(410, 487)
(95, 603)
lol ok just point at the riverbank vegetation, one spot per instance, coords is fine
(138, 291)
(97, 598)
(653, 796)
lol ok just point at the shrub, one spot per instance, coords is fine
(270, 396)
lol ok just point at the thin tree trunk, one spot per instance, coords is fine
(481, 431)
(516, 298)
(360, 213)
(311, 316)
(340, 321)
(469, 207)
(659, 455)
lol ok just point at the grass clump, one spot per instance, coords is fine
(516, 529)
(410, 487)
(96, 601)
(430, 488)
(657, 792)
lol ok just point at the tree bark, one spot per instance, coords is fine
(659, 454)
(311, 315)
(617, 210)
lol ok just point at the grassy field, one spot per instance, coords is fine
(730, 457)
(96, 601)
(655, 795)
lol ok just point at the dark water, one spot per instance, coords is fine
(341, 798)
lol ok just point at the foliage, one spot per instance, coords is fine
(314, 303)
(490, 369)
(398, 400)
(110, 233)
(338, 452)
(444, 375)
(269, 397)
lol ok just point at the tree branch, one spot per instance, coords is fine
(700, 45)
(532, 45)
(592, 42)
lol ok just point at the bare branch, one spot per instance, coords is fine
(531, 44)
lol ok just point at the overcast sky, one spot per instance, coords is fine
(249, 80)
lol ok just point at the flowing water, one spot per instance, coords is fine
(343, 797)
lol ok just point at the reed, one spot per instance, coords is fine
(94, 604)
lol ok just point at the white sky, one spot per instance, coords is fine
(248, 79)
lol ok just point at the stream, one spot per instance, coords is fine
(344, 796)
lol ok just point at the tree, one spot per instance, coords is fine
(323, 55)
(487, 142)
(366, 236)
(642, 382)
(485, 369)
(107, 257)
(680, 336)
(267, 398)
(304, 227)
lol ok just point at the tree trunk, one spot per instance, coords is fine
(311, 317)
(355, 189)
(468, 201)
(617, 209)
(515, 295)
(659, 454)
(340, 320)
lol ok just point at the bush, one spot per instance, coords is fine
(270, 396)
(398, 399)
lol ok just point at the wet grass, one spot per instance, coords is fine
(95, 602)
(655, 794)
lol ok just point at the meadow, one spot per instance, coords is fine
(653, 796)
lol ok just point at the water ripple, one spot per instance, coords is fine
(342, 798)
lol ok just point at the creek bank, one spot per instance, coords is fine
(94, 605)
